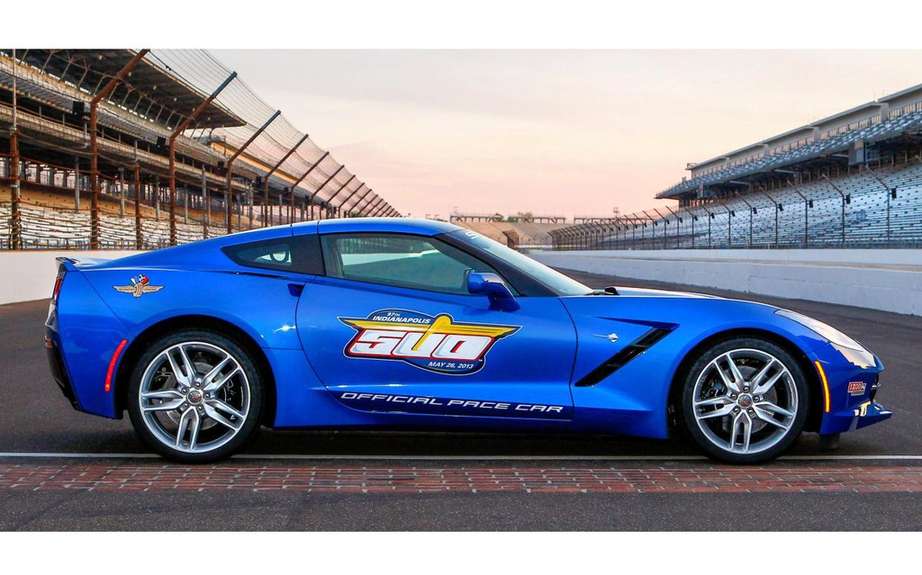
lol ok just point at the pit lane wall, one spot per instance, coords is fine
(29, 275)
(888, 280)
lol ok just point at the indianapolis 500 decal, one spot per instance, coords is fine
(432, 343)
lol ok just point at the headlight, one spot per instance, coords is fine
(851, 349)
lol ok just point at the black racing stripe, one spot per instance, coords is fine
(620, 359)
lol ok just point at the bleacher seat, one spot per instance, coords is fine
(873, 218)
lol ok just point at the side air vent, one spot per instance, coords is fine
(620, 359)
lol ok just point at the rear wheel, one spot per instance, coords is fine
(195, 396)
(745, 400)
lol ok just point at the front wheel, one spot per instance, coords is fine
(745, 400)
(195, 396)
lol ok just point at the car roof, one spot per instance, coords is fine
(381, 225)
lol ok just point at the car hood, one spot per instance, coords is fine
(645, 292)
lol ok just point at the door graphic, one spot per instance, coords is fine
(434, 343)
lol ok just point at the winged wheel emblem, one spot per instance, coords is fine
(139, 286)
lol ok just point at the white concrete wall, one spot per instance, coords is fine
(29, 275)
(889, 280)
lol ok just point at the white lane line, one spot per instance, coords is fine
(380, 457)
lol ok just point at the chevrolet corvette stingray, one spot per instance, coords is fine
(406, 324)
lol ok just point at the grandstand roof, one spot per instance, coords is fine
(877, 120)
(89, 69)
(145, 107)
(805, 128)
(905, 92)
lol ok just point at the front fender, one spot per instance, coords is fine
(634, 399)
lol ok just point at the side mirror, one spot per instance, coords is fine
(492, 286)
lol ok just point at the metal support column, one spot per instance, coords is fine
(366, 201)
(228, 191)
(104, 93)
(179, 129)
(842, 195)
(778, 208)
(342, 211)
(891, 195)
(323, 185)
(806, 218)
(250, 200)
(121, 192)
(675, 235)
(305, 174)
(358, 200)
(372, 207)
(276, 167)
(338, 190)
(77, 184)
(138, 194)
(206, 205)
(15, 192)
(751, 212)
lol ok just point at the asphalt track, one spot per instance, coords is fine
(60, 469)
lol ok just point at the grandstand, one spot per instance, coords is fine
(519, 231)
(148, 148)
(853, 179)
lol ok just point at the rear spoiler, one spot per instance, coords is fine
(71, 263)
(67, 263)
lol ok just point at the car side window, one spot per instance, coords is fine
(400, 260)
(294, 253)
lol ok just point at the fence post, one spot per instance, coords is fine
(710, 216)
(843, 198)
(694, 238)
(806, 218)
(675, 234)
(890, 195)
(777, 210)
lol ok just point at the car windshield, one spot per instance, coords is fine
(554, 280)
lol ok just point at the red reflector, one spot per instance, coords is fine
(112, 362)
(57, 287)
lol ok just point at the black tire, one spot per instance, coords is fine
(786, 438)
(253, 378)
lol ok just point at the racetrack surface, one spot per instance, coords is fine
(378, 480)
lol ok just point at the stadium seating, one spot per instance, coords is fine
(882, 209)
(48, 228)
(873, 133)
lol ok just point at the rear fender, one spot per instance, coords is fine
(88, 333)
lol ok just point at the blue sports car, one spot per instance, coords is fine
(395, 323)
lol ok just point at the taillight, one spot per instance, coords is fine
(57, 286)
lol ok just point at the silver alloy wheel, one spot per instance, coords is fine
(194, 397)
(745, 401)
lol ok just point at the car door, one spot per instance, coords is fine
(391, 328)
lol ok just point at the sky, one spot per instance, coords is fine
(553, 132)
